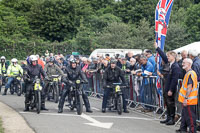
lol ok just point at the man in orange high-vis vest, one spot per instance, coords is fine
(188, 96)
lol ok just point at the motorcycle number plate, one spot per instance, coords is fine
(18, 78)
(117, 88)
(55, 79)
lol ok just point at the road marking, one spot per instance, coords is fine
(93, 116)
(125, 117)
(95, 108)
(95, 122)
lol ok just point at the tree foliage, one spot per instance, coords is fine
(32, 26)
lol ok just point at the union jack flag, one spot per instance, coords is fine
(162, 15)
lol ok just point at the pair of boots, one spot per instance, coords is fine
(27, 107)
(169, 120)
(60, 110)
(5, 92)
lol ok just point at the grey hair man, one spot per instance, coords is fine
(193, 54)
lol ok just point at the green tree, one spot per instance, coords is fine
(143, 35)
(134, 10)
(177, 36)
(115, 35)
(57, 19)
(100, 4)
(97, 23)
(84, 41)
(14, 30)
(192, 21)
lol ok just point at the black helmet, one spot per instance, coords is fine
(72, 60)
(52, 60)
(113, 61)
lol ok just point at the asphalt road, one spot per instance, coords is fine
(96, 122)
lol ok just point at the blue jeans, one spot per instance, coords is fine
(10, 80)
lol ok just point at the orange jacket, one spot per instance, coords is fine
(40, 62)
(193, 96)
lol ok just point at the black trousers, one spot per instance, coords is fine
(65, 92)
(29, 91)
(170, 104)
(106, 95)
(188, 119)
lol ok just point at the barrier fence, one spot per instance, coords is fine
(142, 93)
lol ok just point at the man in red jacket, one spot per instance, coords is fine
(40, 62)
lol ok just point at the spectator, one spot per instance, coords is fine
(183, 55)
(151, 58)
(78, 62)
(119, 61)
(94, 64)
(188, 97)
(137, 57)
(130, 55)
(107, 57)
(171, 84)
(125, 65)
(51, 55)
(117, 56)
(47, 53)
(147, 67)
(84, 64)
(61, 64)
(133, 65)
(193, 54)
(105, 64)
(145, 90)
(40, 62)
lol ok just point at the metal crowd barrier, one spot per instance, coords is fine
(142, 93)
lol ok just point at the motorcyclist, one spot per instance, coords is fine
(113, 74)
(3, 69)
(13, 70)
(33, 70)
(73, 73)
(51, 69)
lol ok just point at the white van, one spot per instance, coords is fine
(113, 52)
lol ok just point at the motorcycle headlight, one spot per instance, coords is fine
(117, 88)
(78, 81)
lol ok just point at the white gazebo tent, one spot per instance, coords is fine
(192, 46)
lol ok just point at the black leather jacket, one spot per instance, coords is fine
(113, 76)
(34, 71)
(73, 74)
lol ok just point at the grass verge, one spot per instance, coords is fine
(1, 128)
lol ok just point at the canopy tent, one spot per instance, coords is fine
(192, 46)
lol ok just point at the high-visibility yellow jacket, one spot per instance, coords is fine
(14, 70)
(3, 68)
(192, 99)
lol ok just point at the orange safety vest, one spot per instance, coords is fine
(192, 98)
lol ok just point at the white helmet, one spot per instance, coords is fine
(33, 58)
(14, 60)
(3, 58)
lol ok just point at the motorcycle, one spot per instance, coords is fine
(3, 80)
(36, 95)
(116, 101)
(16, 85)
(53, 89)
(75, 97)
